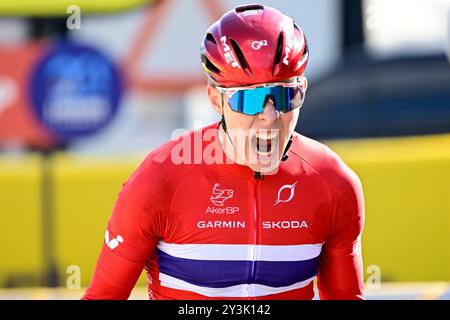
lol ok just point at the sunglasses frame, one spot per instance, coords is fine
(296, 82)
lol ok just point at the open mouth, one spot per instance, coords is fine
(265, 142)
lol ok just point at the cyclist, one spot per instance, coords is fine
(245, 208)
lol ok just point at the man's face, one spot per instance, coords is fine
(257, 141)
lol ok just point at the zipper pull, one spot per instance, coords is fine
(258, 175)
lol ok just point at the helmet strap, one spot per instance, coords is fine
(222, 122)
(224, 125)
(288, 145)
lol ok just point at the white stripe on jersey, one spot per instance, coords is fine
(241, 290)
(242, 251)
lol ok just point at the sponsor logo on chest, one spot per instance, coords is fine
(221, 195)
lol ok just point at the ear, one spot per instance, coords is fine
(215, 98)
(305, 82)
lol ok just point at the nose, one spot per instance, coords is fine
(269, 113)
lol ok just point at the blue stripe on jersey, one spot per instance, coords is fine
(219, 273)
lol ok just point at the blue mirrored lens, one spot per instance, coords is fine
(252, 101)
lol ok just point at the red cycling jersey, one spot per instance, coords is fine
(215, 231)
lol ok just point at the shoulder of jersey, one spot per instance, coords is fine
(162, 165)
(324, 161)
(163, 156)
(158, 173)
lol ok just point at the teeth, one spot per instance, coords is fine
(266, 134)
(265, 143)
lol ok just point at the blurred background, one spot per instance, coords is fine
(88, 88)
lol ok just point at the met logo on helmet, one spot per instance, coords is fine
(229, 56)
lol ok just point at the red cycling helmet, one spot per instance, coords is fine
(253, 44)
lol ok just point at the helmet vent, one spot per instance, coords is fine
(239, 54)
(249, 7)
(279, 48)
(209, 65)
(210, 38)
(306, 52)
(305, 55)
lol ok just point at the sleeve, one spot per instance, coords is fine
(341, 268)
(130, 239)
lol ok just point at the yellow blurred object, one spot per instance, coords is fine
(407, 197)
(406, 185)
(20, 220)
(85, 192)
(59, 8)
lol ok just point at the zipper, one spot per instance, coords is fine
(256, 181)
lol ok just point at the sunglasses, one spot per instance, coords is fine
(286, 96)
